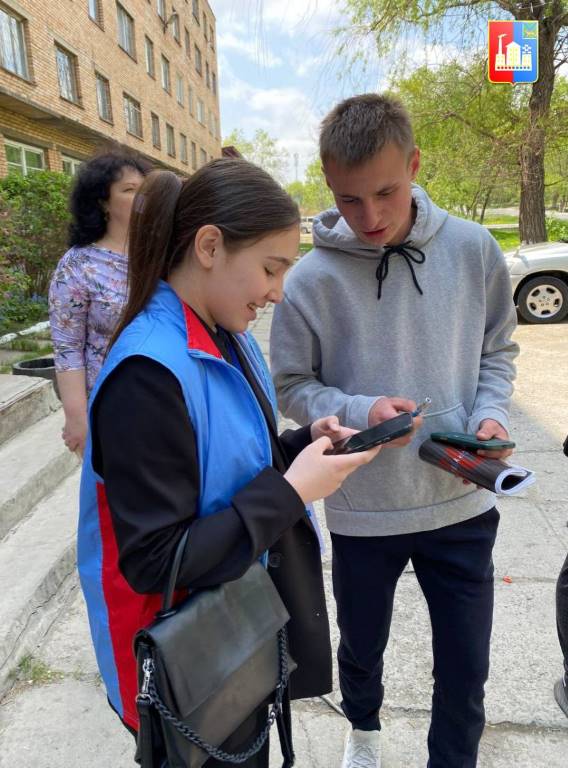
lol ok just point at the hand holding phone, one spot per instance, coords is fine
(315, 476)
(378, 435)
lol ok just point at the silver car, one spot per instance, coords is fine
(539, 274)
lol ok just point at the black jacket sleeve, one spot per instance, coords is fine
(295, 440)
(144, 448)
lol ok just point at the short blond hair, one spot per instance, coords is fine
(359, 127)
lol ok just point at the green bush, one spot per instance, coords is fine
(34, 220)
(557, 230)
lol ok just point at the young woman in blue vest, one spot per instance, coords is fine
(183, 430)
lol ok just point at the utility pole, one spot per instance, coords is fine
(296, 164)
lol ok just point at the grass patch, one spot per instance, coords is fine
(305, 247)
(24, 344)
(507, 239)
(9, 326)
(502, 219)
(31, 671)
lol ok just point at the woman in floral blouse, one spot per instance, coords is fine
(88, 288)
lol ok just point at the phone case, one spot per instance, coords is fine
(463, 440)
(342, 447)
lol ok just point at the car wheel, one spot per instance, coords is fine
(543, 299)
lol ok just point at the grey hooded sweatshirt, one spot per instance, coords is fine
(335, 348)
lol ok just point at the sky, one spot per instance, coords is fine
(278, 72)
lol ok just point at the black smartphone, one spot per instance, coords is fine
(470, 442)
(381, 433)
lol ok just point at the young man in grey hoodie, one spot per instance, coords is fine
(399, 300)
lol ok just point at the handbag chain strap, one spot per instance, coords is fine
(258, 743)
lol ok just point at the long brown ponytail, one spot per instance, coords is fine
(239, 198)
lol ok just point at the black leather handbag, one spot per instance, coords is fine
(206, 664)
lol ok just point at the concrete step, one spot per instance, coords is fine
(37, 571)
(32, 464)
(24, 400)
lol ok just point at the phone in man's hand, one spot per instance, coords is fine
(471, 442)
(378, 435)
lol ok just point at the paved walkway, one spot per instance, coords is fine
(62, 720)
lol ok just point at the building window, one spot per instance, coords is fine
(180, 90)
(187, 42)
(132, 116)
(211, 123)
(103, 98)
(166, 84)
(207, 75)
(70, 165)
(183, 148)
(23, 159)
(12, 44)
(67, 75)
(193, 156)
(203, 157)
(156, 142)
(175, 28)
(190, 101)
(125, 31)
(205, 26)
(170, 141)
(214, 83)
(200, 111)
(211, 37)
(198, 60)
(217, 135)
(195, 8)
(95, 12)
(161, 9)
(149, 54)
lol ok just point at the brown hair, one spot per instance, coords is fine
(359, 127)
(239, 198)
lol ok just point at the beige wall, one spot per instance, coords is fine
(76, 129)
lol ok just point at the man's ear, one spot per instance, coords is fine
(414, 164)
(207, 240)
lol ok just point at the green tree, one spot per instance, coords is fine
(238, 140)
(297, 193)
(263, 150)
(317, 195)
(465, 129)
(556, 159)
(389, 21)
(34, 220)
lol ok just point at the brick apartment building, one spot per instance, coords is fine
(76, 73)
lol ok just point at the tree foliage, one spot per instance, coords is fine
(466, 132)
(262, 150)
(313, 195)
(34, 219)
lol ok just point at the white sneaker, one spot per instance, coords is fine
(362, 749)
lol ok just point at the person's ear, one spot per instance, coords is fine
(207, 241)
(414, 164)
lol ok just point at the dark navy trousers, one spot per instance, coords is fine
(454, 567)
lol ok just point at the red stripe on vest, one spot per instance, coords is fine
(197, 336)
(127, 612)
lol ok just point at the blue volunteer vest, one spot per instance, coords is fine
(233, 446)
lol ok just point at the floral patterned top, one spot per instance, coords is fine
(86, 296)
